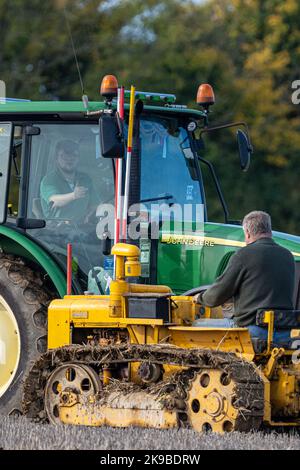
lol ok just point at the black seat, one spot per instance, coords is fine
(283, 319)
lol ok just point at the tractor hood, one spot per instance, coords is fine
(203, 257)
(233, 235)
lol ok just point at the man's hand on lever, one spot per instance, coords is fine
(79, 192)
(61, 200)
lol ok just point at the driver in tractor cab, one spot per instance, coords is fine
(260, 276)
(67, 193)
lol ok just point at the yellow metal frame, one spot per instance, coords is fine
(269, 320)
(111, 312)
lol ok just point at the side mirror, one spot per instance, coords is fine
(245, 149)
(111, 136)
(107, 244)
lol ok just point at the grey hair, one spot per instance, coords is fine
(257, 222)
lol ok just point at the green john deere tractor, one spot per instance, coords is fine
(166, 170)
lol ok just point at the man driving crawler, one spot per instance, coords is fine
(260, 276)
(67, 193)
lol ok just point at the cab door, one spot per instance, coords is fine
(6, 138)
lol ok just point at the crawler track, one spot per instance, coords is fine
(173, 392)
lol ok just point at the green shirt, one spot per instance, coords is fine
(54, 184)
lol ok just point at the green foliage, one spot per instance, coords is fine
(247, 49)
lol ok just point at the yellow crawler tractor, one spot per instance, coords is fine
(134, 358)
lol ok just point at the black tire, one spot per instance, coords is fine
(25, 292)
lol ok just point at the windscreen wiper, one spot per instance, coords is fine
(162, 197)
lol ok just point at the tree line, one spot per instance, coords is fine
(249, 50)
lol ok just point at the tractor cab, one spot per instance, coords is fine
(35, 176)
(57, 187)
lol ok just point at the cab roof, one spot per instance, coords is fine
(52, 107)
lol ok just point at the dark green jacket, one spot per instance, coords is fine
(260, 275)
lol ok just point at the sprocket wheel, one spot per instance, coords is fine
(211, 402)
(81, 379)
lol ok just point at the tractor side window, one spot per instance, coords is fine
(14, 183)
(70, 183)
(69, 178)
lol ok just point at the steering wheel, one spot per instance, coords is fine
(196, 290)
(59, 228)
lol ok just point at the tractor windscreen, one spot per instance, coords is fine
(168, 172)
(71, 187)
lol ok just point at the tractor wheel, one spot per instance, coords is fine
(23, 327)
